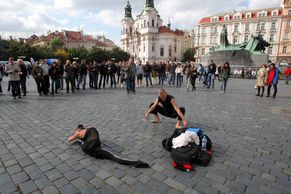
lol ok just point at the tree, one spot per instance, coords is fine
(56, 43)
(189, 55)
(79, 52)
(62, 54)
(98, 55)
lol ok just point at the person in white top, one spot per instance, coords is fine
(179, 74)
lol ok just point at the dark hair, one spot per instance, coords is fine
(80, 127)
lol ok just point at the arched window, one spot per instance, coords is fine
(153, 23)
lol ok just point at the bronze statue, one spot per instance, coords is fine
(223, 37)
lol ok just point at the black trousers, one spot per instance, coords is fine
(39, 84)
(163, 111)
(0, 85)
(104, 80)
(275, 89)
(70, 80)
(259, 90)
(95, 80)
(46, 84)
(15, 88)
(23, 85)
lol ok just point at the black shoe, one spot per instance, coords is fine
(73, 91)
(24, 94)
(67, 92)
(14, 97)
(268, 96)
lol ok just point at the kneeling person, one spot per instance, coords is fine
(169, 108)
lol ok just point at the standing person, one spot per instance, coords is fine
(1, 76)
(273, 79)
(112, 74)
(118, 72)
(287, 74)
(179, 72)
(147, 72)
(12, 69)
(103, 73)
(167, 70)
(69, 75)
(76, 73)
(53, 73)
(155, 73)
(224, 75)
(188, 78)
(200, 72)
(46, 79)
(211, 74)
(90, 71)
(61, 74)
(139, 73)
(161, 71)
(23, 75)
(37, 73)
(95, 75)
(172, 74)
(83, 74)
(193, 76)
(262, 77)
(169, 108)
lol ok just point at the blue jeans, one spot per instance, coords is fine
(161, 78)
(82, 78)
(54, 86)
(211, 80)
(130, 85)
(223, 84)
(287, 78)
(172, 79)
(179, 80)
(148, 79)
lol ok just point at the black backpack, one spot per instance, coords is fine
(186, 154)
(167, 142)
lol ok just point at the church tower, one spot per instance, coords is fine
(127, 27)
(150, 3)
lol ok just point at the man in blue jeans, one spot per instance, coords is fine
(211, 74)
(147, 73)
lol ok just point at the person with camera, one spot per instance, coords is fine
(12, 69)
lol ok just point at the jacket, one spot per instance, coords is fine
(12, 70)
(37, 72)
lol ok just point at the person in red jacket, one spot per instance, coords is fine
(273, 79)
(287, 74)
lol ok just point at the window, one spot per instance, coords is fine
(275, 13)
(175, 48)
(273, 26)
(270, 50)
(289, 12)
(263, 26)
(226, 18)
(288, 24)
(153, 39)
(153, 23)
(133, 48)
(284, 49)
(130, 30)
(153, 48)
(247, 29)
(144, 23)
(162, 52)
(148, 24)
(203, 51)
(144, 48)
(236, 27)
(248, 16)
(258, 26)
(286, 35)
(214, 19)
(203, 41)
(204, 30)
(235, 40)
(236, 17)
(272, 37)
(246, 38)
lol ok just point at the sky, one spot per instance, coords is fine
(22, 18)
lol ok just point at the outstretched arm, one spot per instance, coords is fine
(73, 137)
(151, 109)
(177, 109)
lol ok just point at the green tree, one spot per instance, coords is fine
(56, 43)
(98, 55)
(79, 52)
(189, 55)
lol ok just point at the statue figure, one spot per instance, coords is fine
(262, 44)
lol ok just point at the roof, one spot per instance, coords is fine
(74, 36)
(164, 29)
(244, 13)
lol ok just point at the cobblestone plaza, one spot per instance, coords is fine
(251, 141)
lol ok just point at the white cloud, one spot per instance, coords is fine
(106, 17)
(258, 4)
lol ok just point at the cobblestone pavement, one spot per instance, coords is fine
(251, 136)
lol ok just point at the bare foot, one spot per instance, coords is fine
(156, 122)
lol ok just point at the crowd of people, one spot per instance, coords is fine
(72, 76)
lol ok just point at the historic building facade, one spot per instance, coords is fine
(284, 55)
(240, 27)
(146, 39)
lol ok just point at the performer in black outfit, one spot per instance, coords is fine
(169, 108)
(90, 142)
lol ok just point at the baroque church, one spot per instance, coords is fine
(146, 39)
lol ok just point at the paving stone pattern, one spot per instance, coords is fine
(251, 141)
